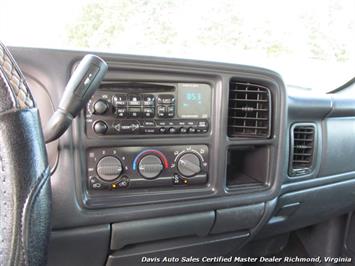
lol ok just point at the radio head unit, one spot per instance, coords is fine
(149, 108)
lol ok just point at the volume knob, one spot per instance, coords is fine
(101, 107)
(109, 168)
(189, 164)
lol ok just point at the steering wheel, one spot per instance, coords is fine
(25, 193)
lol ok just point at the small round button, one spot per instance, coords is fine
(183, 130)
(162, 130)
(192, 130)
(109, 168)
(100, 107)
(100, 127)
(150, 166)
(172, 130)
(189, 164)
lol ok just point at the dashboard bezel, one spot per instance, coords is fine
(216, 138)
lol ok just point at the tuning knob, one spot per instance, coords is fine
(150, 166)
(109, 168)
(189, 164)
(100, 107)
(100, 127)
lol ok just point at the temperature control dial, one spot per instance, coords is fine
(150, 166)
(189, 164)
(109, 168)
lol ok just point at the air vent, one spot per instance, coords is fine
(249, 110)
(302, 148)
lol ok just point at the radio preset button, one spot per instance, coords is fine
(170, 114)
(148, 100)
(162, 130)
(170, 109)
(148, 112)
(134, 100)
(119, 100)
(161, 108)
(121, 112)
(161, 111)
(134, 112)
(166, 98)
(192, 130)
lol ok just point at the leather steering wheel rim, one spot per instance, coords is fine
(25, 193)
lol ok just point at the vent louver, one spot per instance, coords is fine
(249, 110)
(302, 149)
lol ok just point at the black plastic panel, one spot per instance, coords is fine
(195, 247)
(140, 231)
(237, 219)
(311, 206)
(338, 152)
(75, 247)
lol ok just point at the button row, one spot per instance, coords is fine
(122, 100)
(145, 112)
(166, 111)
(155, 127)
(135, 112)
(125, 182)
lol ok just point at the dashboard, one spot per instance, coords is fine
(186, 156)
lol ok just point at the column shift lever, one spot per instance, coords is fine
(81, 86)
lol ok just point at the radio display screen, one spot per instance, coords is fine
(194, 100)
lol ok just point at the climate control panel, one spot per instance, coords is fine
(125, 168)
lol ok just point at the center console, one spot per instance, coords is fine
(176, 115)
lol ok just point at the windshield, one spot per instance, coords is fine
(310, 43)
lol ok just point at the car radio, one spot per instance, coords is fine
(149, 109)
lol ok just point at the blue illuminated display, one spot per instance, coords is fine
(192, 98)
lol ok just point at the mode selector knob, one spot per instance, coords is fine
(189, 164)
(150, 166)
(109, 168)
